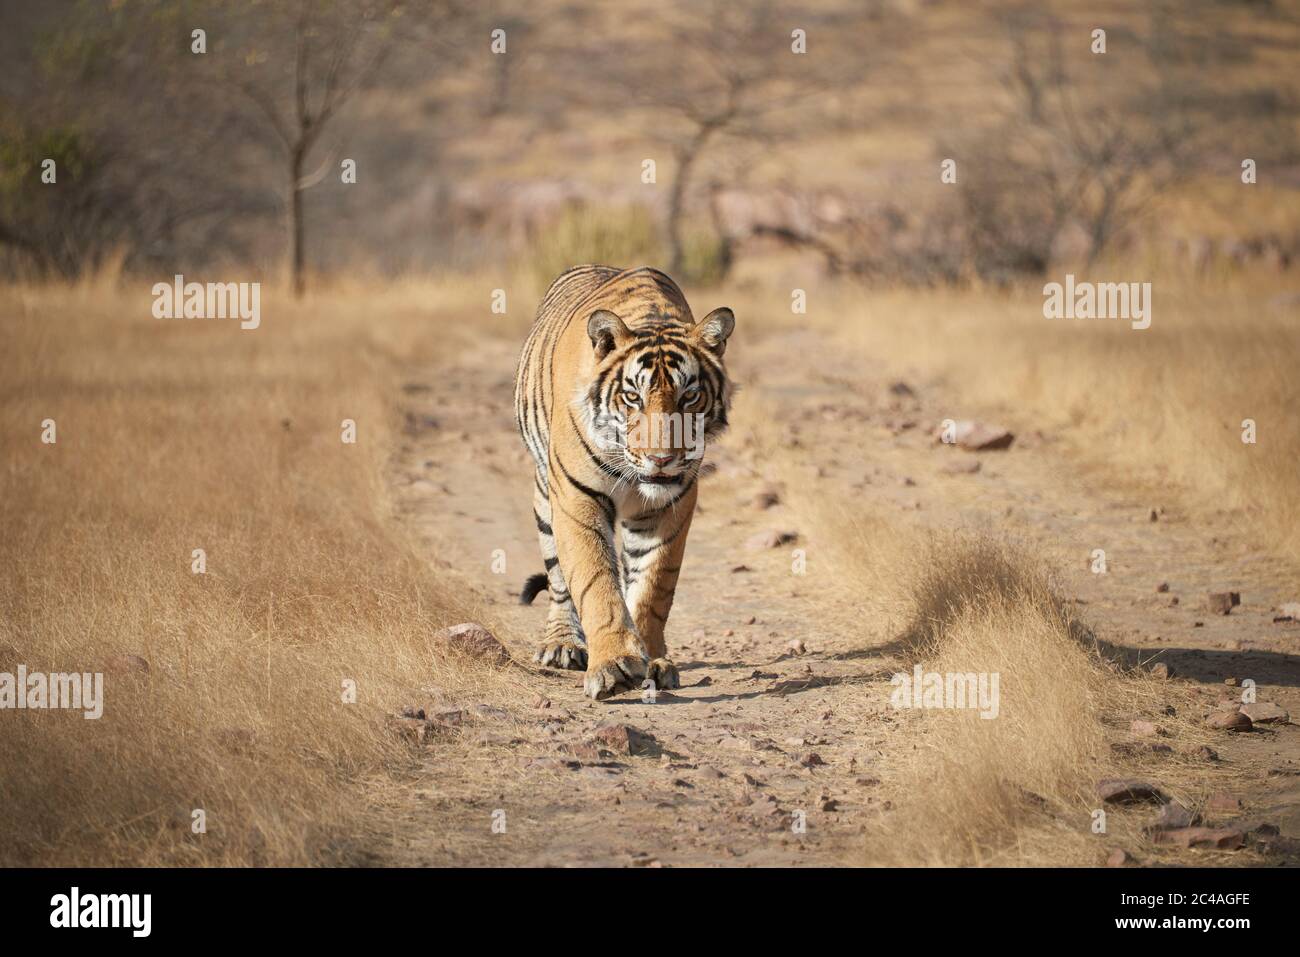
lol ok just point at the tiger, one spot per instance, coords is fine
(618, 392)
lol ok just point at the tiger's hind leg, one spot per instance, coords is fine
(565, 645)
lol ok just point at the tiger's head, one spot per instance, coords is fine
(657, 395)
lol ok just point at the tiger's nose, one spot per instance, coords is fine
(661, 460)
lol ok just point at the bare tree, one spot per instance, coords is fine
(734, 72)
(1089, 141)
(300, 64)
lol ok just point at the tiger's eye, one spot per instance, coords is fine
(632, 399)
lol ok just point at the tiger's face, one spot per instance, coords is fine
(657, 396)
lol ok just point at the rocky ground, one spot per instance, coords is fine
(765, 755)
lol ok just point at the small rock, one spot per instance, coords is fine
(1146, 729)
(1223, 802)
(1228, 721)
(415, 730)
(472, 639)
(766, 498)
(740, 568)
(623, 738)
(1265, 713)
(770, 539)
(830, 804)
(1231, 682)
(451, 718)
(795, 646)
(1162, 587)
(1289, 612)
(811, 760)
(1160, 670)
(1265, 831)
(1222, 602)
(1118, 858)
(962, 467)
(583, 751)
(975, 436)
(1174, 816)
(1155, 516)
(1217, 838)
(1206, 753)
(1128, 791)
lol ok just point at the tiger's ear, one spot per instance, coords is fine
(712, 331)
(607, 332)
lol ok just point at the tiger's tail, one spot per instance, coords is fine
(535, 585)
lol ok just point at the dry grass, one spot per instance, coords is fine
(1160, 408)
(1017, 789)
(174, 436)
(1007, 790)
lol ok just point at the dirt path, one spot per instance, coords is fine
(758, 739)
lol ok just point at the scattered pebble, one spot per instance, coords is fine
(975, 436)
(1128, 791)
(1173, 816)
(770, 539)
(1222, 602)
(472, 639)
(1217, 838)
(1146, 729)
(1228, 721)
(1265, 713)
(1223, 802)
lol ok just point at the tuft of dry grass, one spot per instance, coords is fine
(181, 435)
(1011, 789)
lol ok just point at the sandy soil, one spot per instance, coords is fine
(759, 739)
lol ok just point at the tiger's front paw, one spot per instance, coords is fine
(612, 675)
(562, 653)
(664, 674)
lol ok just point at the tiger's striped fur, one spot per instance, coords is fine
(611, 354)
